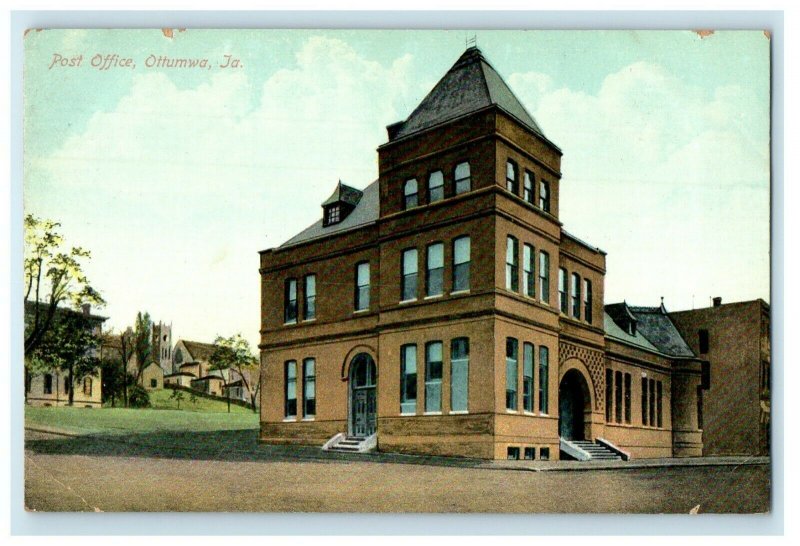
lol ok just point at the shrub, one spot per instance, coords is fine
(138, 397)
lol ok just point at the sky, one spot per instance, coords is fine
(175, 178)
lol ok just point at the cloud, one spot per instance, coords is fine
(657, 171)
(183, 185)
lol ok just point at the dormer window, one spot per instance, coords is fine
(340, 204)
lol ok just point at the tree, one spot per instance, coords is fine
(53, 275)
(233, 353)
(126, 341)
(70, 345)
(142, 342)
(177, 395)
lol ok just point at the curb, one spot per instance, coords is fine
(758, 461)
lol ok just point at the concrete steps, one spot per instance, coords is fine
(597, 451)
(351, 444)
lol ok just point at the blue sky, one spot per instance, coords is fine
(176, 178)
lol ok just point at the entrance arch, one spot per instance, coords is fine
(363, 379)
(574, 406)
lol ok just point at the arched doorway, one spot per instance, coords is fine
(363, 403)
(574, 403)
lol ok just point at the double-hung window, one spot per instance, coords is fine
(544, 378)
(512, 266)
(544, 276)
(618, 396)
(435, 187)
(409, 272)
(527, 377)
(544, 196)
(587, 300)
(433, 377)
(461, 260)
(290, 301)
(362, 286)
(410, 194)
(576, 296)
(512, 184)
(528, 271)
(310, 297)
(462, 178)
(408, 379)
(434, 271)
(527, 187)
(562, 290)
(290, 389)
(512, 359)
(459, 374)
(309, 388)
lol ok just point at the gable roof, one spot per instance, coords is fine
(198, 350)
(470, 85)
(365, 212)
(654, 325)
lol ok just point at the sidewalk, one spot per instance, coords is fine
(577, 466)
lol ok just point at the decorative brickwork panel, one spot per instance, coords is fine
(594, 361)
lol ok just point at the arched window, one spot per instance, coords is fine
(410, 193)
(462, 178)
(435, 187)
(87, 386)
(178, 356)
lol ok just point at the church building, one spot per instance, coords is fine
(444, 310)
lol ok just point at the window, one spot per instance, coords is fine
(544, 380)
(333, 215)
(544, 276)
(562, 290)
(433, 376)
(362, 286)
(652, 409)
(530, 453)
(609, 394)
(628, 398)
(512, 184)
(645, 404)
(290, 301)
(435, 187)
(659, 416)
(87, 385)
(461, 259)
(587, 300)
(48, 383)
(309, 388)
(576, 296)
(459, 374)
(527, 377)
(527, 187)
(462, 177)
(310, 297)
(618, 396)
(528, 271)
(408, 379)
(66, 385)
(409, 288)
(513, 453)
(512, 350)
(434, 272)
(700, 407)
(702, 336)
(410, 194)
(544, 196)
(512, 273)
(544, 454)
(290, 389)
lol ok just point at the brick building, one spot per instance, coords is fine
(443, 309)
(733, 339)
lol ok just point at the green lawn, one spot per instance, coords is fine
(160, 399)
(204, 416)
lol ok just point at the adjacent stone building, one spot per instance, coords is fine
(443, 309)
(734, 341)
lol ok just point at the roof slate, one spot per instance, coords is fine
(366, 212)
(198, 350)
(653, 323)
(470, 85)
(344, 194)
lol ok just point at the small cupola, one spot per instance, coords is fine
(621, 314)
(340, 204)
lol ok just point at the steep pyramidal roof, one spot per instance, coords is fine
(470, 85)
(344, 194)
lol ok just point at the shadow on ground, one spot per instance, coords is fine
(226, 445)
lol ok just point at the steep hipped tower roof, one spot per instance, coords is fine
(470, 85)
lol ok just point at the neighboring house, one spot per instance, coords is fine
(209, 384)
(444, 310)
(51, 388)
(179, 379)
(152, 377)
(192, 357)
(734, 339)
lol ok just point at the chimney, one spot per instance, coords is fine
(717, 301)
(86, 308)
